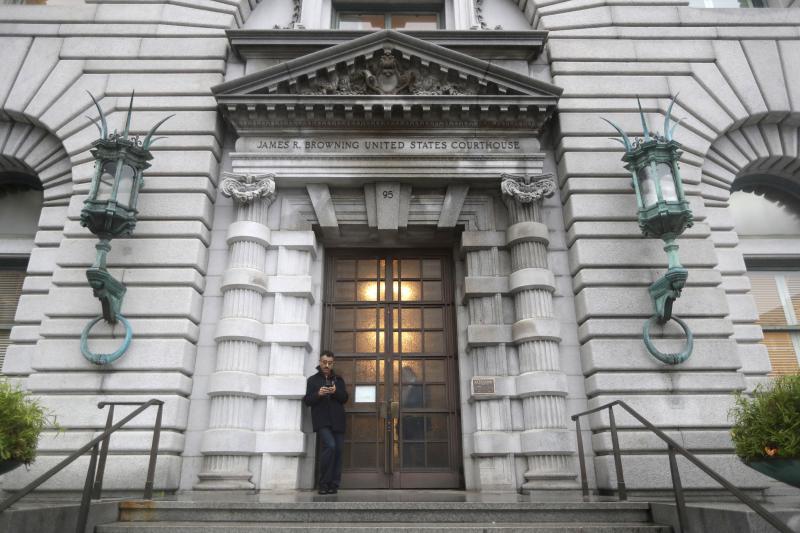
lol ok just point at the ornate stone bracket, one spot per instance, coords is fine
(297, 9)
(244, 188)
(477, 7)
(526, 189)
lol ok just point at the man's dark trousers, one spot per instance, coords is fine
(330, 458)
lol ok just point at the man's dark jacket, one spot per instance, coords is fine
(327, 410)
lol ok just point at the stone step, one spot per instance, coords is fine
(408, 513)
(367, 527)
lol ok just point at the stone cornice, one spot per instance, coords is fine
(290, 44)
(433, 88)
(408, 47)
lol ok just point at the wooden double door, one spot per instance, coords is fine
(389, 319)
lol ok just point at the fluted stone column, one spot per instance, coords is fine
(542, 386)
(229, 441)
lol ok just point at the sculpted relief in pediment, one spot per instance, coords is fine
(387, 74)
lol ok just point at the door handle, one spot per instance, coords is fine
(395, 409)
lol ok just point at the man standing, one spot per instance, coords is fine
(326, 394)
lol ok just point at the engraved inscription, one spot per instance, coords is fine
(482, 386)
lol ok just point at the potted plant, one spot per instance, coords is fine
(766, 429)
(22, 419)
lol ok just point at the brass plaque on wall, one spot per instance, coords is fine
(482, 386)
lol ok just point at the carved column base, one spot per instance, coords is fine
(232, 474)
(550, 472)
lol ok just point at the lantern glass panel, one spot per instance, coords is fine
(647, 186)
(667, 179)
(126, 185)
(106, 183)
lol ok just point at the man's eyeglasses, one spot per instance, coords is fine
(326, 363)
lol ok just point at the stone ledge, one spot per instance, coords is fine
(532, 278)
(533, 329)
(288, 334)
(476, 286)
(300, 286)
(244, 278)
(123, 472)
(487, 334)
(625, 355)
(652, 472)
(228, 441)
(234, 383)
(281, 442)
(547, 442)
(668, 382)
(248, 231)
(527, 232)
(491, 443)
(162, 355)
(481, 240)
(541, 383)
(296, 240)
(282, 386)
(240, 329)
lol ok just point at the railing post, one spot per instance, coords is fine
(86, 497)
(151, 468)
(582, 460)
(101, 464)
(680, 502)
(621, 490)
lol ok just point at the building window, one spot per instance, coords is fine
(766, 214)
(12, 274)
(414, 17)
(777, 295)
(44, 2)
(727, 3)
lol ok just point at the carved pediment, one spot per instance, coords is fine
(386, 76)
(385, 73)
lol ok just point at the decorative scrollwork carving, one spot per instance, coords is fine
(386, 74)
(245, 188)
(527, 189)
(477, 7)
(297, 9)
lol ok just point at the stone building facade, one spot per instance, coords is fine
(441, 207)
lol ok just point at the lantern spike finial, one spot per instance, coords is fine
(645, 129)
(672, 129)
(149, 140)
(667, 129)
(104, 129)
(128, 118)
(95, 122)
(626, 142)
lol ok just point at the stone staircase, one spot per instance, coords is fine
(328, 514)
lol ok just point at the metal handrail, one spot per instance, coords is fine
(93, 485)
(672, 448)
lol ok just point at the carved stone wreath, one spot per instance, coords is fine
(527, 189)
(245, 188)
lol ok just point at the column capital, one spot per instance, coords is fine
(246, 188)
(526, 188)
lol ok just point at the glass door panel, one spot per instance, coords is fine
(388, 319)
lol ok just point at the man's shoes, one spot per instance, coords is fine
(323, 490)
(333, 490)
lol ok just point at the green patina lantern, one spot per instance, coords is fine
(664, 213)
(109, 211)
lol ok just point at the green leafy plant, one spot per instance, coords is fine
(22, 419)
(768, 424)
